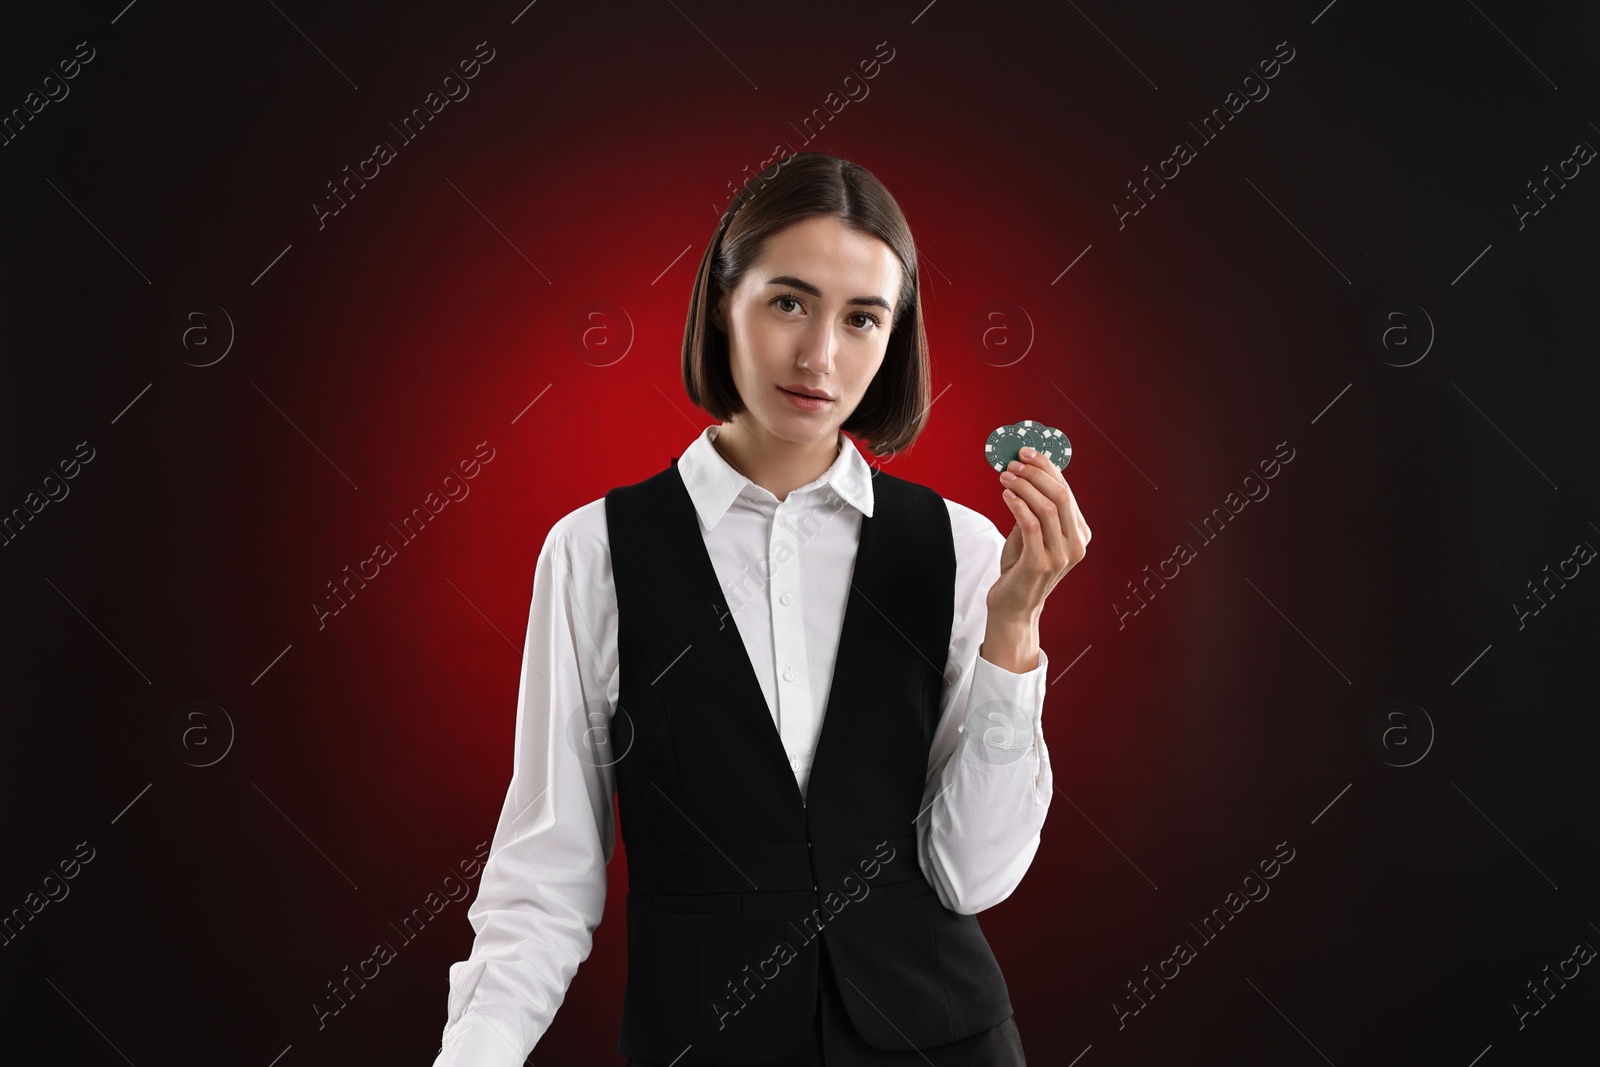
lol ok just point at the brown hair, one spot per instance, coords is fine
(894, 408)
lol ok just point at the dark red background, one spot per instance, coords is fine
(1177, 352)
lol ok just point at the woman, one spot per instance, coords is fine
(815, 689)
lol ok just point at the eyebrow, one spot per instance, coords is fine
(786, 279)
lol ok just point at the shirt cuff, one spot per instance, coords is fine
(1004, 708)
(479, 1041)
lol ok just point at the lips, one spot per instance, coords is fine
(801, 391)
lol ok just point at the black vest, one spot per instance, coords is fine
(732, 874)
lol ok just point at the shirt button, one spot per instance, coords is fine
(794, 762)
(785, 598)
(788, 675)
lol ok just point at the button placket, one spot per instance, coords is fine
(794, 711)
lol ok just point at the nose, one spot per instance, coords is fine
(817, 348)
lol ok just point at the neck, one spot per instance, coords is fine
(778, 466)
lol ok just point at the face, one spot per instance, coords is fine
(812, 314)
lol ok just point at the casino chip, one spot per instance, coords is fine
(1006, 444)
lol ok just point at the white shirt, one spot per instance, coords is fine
(785, 569)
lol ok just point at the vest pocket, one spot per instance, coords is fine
(756, 977)
(695, 903)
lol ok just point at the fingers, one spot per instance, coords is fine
(1044, 507)
(1048, 483)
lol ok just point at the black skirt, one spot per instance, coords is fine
(833, 1042)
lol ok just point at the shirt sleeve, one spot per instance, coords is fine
(543, 886)
(989, 782)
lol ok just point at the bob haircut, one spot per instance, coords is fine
(894, 409)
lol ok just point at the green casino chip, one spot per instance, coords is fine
(1006, 443)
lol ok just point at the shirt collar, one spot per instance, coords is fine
(714, 484)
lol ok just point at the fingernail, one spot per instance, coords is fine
(1028, 453)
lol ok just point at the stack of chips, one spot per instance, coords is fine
(1006, 444)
